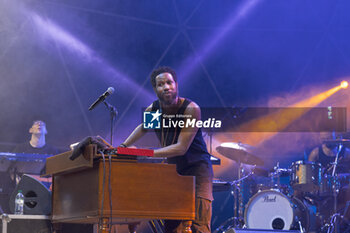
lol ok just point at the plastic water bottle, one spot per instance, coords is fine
(19, 202)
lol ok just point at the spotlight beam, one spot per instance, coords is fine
(190, 64)
(284, 118)
(98, 12)
(54, 32)
(212, 83)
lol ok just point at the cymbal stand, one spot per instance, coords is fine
(236, 190)
(334, 221)
(276, 174)
(233, 222)
(238, 196)
(240, 193)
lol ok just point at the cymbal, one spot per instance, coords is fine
(335, 142)
(239, 152)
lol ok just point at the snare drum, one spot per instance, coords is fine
(271, 209)
(306, 176)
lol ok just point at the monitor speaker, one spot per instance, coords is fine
(37, 198)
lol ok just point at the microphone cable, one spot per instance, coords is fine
(103, 191)
(110, 191)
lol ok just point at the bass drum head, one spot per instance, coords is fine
(270, 209)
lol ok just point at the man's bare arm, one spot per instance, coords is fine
(185, 138)
(314, 154)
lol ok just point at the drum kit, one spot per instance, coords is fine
(305, 196)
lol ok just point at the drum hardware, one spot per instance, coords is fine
(278, 172)
(238, 196)
(275, 179)
(336, 159)
(242, 154)
(333, 225)
(300, 226)
(235, 186)
(334, 220)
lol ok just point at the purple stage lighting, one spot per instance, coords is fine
(111, 75)
(50, 29)
(192, 62)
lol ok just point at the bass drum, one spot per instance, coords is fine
(272, 210)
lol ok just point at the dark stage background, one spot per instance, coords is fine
(57, 57)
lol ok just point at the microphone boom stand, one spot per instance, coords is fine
(113, 115)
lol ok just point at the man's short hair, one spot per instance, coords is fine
(160, 70)
(37, 121)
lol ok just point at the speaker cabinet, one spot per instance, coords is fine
(25, 224)
(37, 198)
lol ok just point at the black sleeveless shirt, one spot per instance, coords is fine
(197, 150)
(196, 161)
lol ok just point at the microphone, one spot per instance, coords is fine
(109, 91)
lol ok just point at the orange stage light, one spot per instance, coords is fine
(344, 84)
(284, 117)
